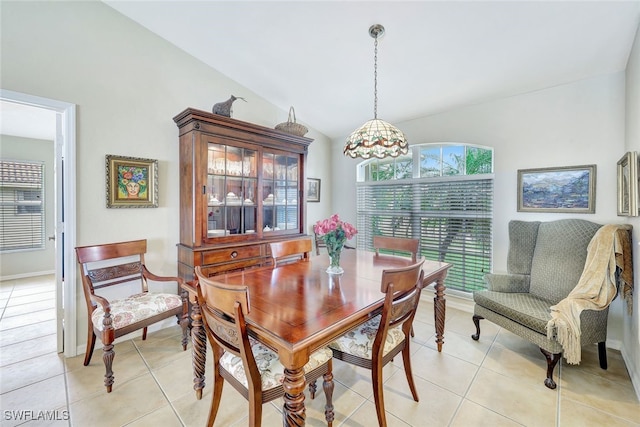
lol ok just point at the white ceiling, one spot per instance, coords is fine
(435, 55)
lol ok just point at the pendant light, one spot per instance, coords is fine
(376, 138)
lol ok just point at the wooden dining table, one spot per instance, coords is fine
(297, 308)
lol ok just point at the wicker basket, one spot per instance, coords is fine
(291, 126)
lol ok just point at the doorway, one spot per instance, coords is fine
(65, 209)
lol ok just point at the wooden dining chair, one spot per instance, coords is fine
(397, 244)
(119, 269)
(290, 251)
(362, 348)
(249, 366)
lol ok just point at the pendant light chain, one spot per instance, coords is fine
(375, 78)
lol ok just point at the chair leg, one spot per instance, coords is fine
(602, 354)
(378, 396)
(406, 359)
(144, 333)
(108, 356)
(327, 385)
(312, 389)
(216, 395)
(552, 360)
(183, 321)
(476, 321)
(91, 343)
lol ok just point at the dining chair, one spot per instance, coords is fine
(320, 243)
(362, 347)
(118, 269)
(290, 251)
(252, 368)
(395, 244)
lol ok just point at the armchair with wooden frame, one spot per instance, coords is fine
(119, 269)
(252, 368)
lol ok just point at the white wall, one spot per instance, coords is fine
(128, 84)
(575, 124)
(631, 324)
(40, 261)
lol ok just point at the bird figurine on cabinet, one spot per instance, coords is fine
(224, 108)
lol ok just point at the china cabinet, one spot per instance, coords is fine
(241, 187)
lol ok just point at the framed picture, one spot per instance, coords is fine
(131, 182)
(313, 190)
(559, 189)
(628, 185)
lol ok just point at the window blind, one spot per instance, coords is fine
(452, 217)
(21, 205)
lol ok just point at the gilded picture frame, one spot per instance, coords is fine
(628, 185)
(132, 182)
(570, 189)
(313, 189)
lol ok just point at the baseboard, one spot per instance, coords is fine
(634, 373)
(25, 275)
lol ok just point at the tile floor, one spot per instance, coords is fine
(496, 381)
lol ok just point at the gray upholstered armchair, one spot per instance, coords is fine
(545, 262)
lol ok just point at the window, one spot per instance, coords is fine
(440, 193)
(21, 205)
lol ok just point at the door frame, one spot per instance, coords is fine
(65, 221)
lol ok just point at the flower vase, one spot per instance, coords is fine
(334, 257)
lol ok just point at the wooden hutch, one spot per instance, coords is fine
(241, 187)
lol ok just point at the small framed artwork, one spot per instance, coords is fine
(313, 190)
(628, 185)
(131, 182)
(557, 189)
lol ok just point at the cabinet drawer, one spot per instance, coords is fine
(230, 254)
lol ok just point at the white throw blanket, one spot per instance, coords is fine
(595, 289)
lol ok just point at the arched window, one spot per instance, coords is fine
(440, 193)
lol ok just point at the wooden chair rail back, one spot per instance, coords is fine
(221, 296)
(402, 244)
(107, 251)
(290, 250)
(403, 279)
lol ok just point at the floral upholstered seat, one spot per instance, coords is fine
(359, 341)
(133, 309)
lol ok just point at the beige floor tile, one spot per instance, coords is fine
(462, 347)
(128, 401)
(590, 363)
(529, 363)
(160, 352)
(194, 413)
(36, 288)
(13, 353)
(176, 378)
(358, 379)
(520, 400)
(574, 414)
(472, 414)
(423, 332)
(447, 371)
(30, 371)
(27, 319)
(27, 333)
(89, 380)
(366, 416)
(120, 347)
(28, 299)
(164, 417)
(607, 396)
(436, 405)
(35, 397)
(22, 309)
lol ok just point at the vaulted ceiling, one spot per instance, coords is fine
(434, 56)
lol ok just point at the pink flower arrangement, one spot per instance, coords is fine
(334, 230)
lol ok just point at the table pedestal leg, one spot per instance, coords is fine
(294, 411)
(439, 305)
(199, 342)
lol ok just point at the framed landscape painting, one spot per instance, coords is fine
(557, 189)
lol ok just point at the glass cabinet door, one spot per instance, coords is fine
(281, 189)
(232, 182)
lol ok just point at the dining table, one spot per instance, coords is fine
(297, 308)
